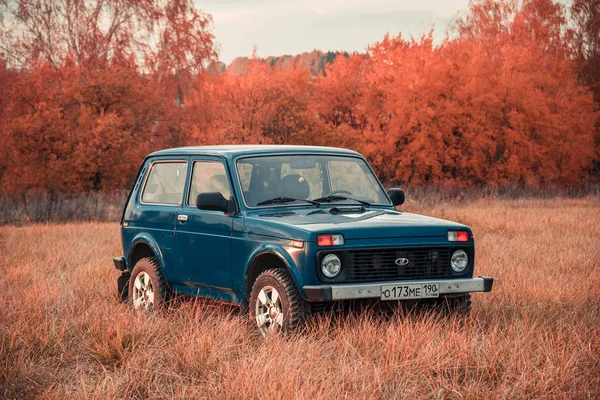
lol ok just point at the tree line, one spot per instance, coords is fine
(90, 87)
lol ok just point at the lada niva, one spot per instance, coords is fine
(282, 230)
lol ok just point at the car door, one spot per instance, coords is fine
(157, 207)
(203, 238)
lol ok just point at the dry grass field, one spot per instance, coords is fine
(63, 334)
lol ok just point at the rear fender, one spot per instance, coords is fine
(145, 238)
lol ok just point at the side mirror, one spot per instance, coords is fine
(397, 196)
(214, 201)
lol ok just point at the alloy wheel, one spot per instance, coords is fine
(143, 292)
(269, 312)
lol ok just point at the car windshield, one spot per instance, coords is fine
(293, 179)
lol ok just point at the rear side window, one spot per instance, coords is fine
(208, 176)
(165, 183)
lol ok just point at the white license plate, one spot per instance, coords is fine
(410, 291)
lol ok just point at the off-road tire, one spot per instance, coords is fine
(151, 266)
(295, 309)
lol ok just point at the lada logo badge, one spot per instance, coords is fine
(401, 261)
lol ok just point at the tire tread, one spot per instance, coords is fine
(152, 266)
(298, 308)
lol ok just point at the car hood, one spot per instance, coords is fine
(305, 224)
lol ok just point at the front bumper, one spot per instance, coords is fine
(373, 290)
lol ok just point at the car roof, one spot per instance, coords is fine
(232, 151)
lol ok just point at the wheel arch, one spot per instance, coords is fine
(270, 258)
(141, 247)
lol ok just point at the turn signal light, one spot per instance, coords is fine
(330, 240)
(458, 236)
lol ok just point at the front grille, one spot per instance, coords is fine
(379, 265)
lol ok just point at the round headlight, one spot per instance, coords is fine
(459, 261)
(331, 265)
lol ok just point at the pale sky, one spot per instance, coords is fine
(278, 27)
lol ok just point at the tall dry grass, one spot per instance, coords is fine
(63, 334)
(26, 208)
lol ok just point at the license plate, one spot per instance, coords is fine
(410, 291)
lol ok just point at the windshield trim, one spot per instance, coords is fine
(303, 153)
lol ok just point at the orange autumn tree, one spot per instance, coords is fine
(338, 99)
(90, 92)
(499, 104)
(540, 125)
(586, 19)
(262, 105)
(89, 87)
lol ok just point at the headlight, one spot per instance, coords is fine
(459, 261)
(331, 265)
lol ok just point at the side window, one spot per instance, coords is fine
(244, 171)
(208, 176)
(165, 183)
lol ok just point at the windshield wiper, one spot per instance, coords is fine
(337, 197)
(282, 200)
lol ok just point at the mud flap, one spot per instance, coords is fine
(123, 286)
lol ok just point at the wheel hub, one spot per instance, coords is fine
(269, 317)
(143, 291)
(273, 312)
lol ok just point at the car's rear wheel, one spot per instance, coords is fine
(148, 288)
(275, 304)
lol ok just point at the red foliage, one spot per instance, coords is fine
(500, 103)
(264, 105)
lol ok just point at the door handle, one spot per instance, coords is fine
(182, 217)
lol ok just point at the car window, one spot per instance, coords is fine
(208, 176)
(311, 173)
(303, 177)
(244, 173)
(348, 175)
(165, 183)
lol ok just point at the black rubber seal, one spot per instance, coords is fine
(488, 282)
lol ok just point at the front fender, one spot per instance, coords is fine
(292, 258)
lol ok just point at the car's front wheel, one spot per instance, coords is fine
(148, 288)
(275, 304)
